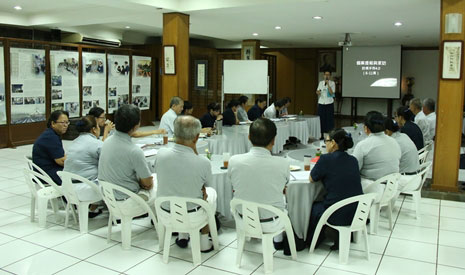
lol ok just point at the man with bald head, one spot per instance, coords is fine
(181, 172)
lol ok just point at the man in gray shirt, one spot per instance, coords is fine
(241, 113)
(182, 172)
(122, 162)
(167, 120)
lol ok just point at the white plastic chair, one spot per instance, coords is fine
(358, 224)
(392, 182)
(34, 167)
(252, 228)
(119, 210)
(72, 197)
(41, 194)
(416, 192)
(423, 156)
(179, 221)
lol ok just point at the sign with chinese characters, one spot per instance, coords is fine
(371, 67)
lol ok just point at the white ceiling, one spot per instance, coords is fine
(227, 22)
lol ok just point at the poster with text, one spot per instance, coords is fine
(141, 80)
(2, 89)
(64, 67)
(93, 81)
(118, 81)
(27, 79)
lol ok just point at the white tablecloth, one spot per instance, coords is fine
(314, 127)
(299, 128)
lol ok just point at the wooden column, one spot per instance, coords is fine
(176, 32)
(449, 110)
(250, 49)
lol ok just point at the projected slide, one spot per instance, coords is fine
(371, 72)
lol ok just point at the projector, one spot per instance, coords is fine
(345, 43)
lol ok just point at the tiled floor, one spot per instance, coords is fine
(434, 244)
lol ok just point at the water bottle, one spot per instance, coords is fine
(219, 127)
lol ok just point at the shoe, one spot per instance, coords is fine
(94, 214)
(182, 243)
(334, 247)
(208, 250)
(278, 245)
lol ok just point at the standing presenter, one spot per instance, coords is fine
(326, 92)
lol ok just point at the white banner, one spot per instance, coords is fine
(65, 82)
(27, 77)
(118, 81)
(93, 81)
(141, 80)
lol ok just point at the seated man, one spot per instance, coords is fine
(47, 152)
(182, 172)
(409, 164)
(256, 111)
(273, 110)
(241, 113)
(259, 177)
(208, 119)
(167, 120)
(378, 155)
(230, 114)
(420, 118)
(121, 161)
(429, 106)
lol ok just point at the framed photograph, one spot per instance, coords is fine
(169, 59)
(201, 73)
(327, 61)
(248, 53)
(452, 60)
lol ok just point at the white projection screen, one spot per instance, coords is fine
(371, 72)
(245, 77)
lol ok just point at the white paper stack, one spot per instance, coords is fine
(150, 152)
(300, 175)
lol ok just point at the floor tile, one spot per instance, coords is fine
(412, 250)
(448, 270)
(35, 264)
(286, 267)
(5, 239)
(205, 270)
(18, 190)
(84, 246)
(148, 240)
(4, 195)
(52, 236)
(357, 262)
(459, 204)
(409, 218)
(377, 244)
(330, 271)
(86, 268)
(425, 209)
(13, 202)
(452, 212)
(116, 231)
(226, 260)
(227, 235)
(452, 224)
(254, 245)
(315, 258)
(174, 266)
(451, 256)
(17, 250)
(186, 253)
(7, 217)
(452, 238)
(21, 228)
(420, 234)
(119, 259)
(425, 200)
(383, 229)
(390, 265)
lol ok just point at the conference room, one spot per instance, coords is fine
(239, 137)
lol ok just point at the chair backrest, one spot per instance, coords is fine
(34, 179)
(424, 168)
(34, 167)
(115, 208)
(250, 212)
(422, 156)
(178, 210)
(392, 182)
(361, 214)
(67, 188)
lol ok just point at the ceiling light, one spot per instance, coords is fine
(277, 27)
(255, 34)
(18, 8)
(127, 27)
(398, 24)
(317, 17)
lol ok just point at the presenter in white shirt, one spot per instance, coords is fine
(167, 120)
(326, 92)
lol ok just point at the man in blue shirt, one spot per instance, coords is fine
(48, 152)
(256, 111)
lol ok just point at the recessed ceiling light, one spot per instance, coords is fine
(398, 24)
(18, 8)
(127, 27)
(255, 34)
(277, 27)
(317, 17)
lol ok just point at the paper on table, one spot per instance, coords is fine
(275, 119)
(300, 175)
(150, 152)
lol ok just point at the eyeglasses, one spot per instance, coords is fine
(63, 122)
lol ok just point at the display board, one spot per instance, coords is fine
(141, 80)
(2, 89)
(93, 81)
(245, 77)
(27, 78)
(118, 81)
(371, 72)
(64, 69)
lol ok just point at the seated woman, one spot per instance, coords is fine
(339, 173)
(107, 125)
(230, 114)
(213, 114)
(187, 109)
(83, 156)
(48, 152)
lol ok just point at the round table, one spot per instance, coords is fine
(314, 127)
(299, 128)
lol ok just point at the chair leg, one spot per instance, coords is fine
(416, 196)
(126, 231)
(67, 215)
(110, 225)
(357, 237)
(344, 246)
(389, 209)
(54, 203)
(161, 236)
(374, 218)
(214, 233)
(267, 244)
(166, 248)
(42, 209)
(83, 212)
(367, 244)
(240, 246)
(33, 208)
(195, 247)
